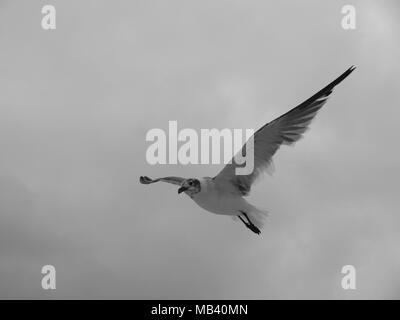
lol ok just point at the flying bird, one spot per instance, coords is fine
(224, 194)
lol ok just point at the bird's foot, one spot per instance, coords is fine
(250, 225)
(253, 228)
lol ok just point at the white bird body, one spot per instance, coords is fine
(224, 194)
(218, 201)
(224, 201)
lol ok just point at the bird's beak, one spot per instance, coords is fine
(181, 189)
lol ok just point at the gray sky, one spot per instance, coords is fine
(76, 104)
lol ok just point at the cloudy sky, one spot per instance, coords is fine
(76, 104)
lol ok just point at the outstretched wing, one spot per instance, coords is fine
(286, 129)
(174, 180)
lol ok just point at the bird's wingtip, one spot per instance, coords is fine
(339, 79)
(350, 70)
(144, 179)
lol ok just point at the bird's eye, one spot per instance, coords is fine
(190, 183)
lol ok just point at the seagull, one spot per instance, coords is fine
(224, 194)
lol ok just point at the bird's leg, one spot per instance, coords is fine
(247, 217)
(249, 225)
(245, 223)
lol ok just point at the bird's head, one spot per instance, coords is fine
(190, 186)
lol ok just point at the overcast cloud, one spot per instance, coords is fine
(76, 104)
